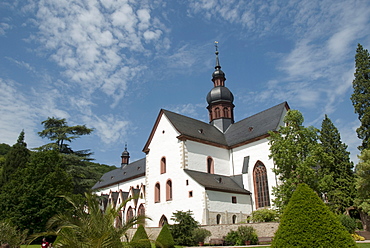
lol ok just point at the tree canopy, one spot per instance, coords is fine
(361, 94)
(58, 131)
(338, 188)
(297, 156)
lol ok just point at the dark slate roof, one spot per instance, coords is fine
(194, 128)
(130, 171)
(256, 125)
(216, 182)
(247, 129)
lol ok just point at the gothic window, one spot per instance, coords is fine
(141, 210)
(261, 188)
(163, 221)
(169, 190)
(210, 166)
(157, 192)
(163, 165)
(129, 214)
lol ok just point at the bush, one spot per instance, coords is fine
(182, 230)
(165, 239)
(11, 235)
(241, 235)
(264, 215)
(140, 239)
(348, 222)
(307, 222)
(200, 234)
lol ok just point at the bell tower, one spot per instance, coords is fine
(220, 99)
(125, 157)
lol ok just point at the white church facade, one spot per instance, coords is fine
(221, 170)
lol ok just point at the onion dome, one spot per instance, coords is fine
(220, 93)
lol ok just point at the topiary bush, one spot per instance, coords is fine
(165, 239)
(307, 222)
(140, 239)
(348, 222)
(264, 215)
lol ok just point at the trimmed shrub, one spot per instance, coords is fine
(307, 222)
(140, 239)
(348, 222)
(165, 239)
(264, 215)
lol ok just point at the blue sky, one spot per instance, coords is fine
(113, 64)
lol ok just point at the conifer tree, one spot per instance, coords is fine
(165, 239)
(361, 94)
(17, 157)
(297, 156)
(307, 223)
(140, 238)
(339, 191)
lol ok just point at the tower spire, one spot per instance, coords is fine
(220, 99)
(125, 157)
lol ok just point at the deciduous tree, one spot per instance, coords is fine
(297, 156)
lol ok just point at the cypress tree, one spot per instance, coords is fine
(307, 223)
(361, 94)
(339, 191)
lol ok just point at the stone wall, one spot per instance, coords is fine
(219, 231)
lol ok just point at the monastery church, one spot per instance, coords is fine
(219, 170)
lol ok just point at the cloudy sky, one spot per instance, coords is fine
(113, 64)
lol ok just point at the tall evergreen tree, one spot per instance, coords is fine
(17, 157)
(297, 156)
(339, 191)
(361, 94)
(58, 131)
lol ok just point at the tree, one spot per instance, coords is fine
(17, 157)
(165, 239)
(363, 185)
(11, 235)
(297, 156)
(88, 226)
(361, 94)
(30, 198)
(57, 130)
(140, 238)
(182, 230)
(307, 222)
(339, 191)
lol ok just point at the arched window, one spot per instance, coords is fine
(234, 219)
(141, 210)
(163, 221)
(210, 166)
(169, 190)
(218, 219)
(217, 113)
(163, 165)
(226, 112)
(157, 192)
(129, 214)
(261, 187)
